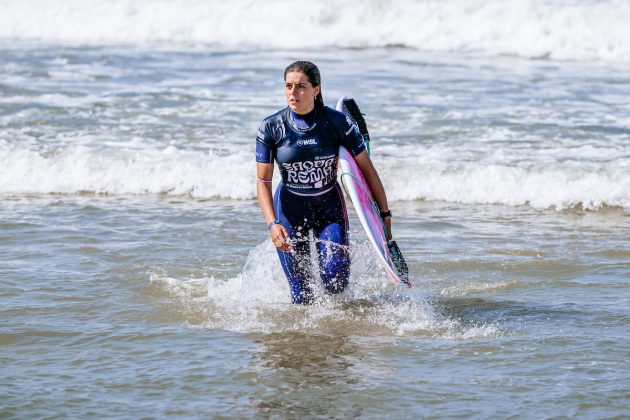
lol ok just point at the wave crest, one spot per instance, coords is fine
(530, 28)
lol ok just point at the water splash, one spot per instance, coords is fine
(258, 300)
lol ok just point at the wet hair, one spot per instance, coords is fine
(312, 72)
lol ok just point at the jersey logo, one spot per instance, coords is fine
(311, 173)
(306, 142)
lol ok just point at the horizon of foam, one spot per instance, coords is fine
(560, 29)
(181, 172)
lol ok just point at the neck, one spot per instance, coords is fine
(305, 112)
(304, 121)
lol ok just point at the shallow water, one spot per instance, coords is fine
(128, 306)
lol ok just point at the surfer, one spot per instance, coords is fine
(304, 140)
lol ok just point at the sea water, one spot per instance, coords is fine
(136, 276)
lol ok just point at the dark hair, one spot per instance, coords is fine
(312, 72)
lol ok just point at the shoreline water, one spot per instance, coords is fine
(155, 306)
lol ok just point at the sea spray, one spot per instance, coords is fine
(258, 300)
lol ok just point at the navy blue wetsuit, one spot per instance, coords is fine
(309, 197)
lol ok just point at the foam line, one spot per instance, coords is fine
(555, 29)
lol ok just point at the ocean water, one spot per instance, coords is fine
(136, 278)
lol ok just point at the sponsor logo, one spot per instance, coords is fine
(311, 173)
(306, 142)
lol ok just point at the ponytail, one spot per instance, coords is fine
(319, 99)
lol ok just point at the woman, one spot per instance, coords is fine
(304, 139)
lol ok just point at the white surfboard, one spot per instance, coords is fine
(357, 189)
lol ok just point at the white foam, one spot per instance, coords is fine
(423, 174)
(543, 174)
(556, 29)
(257, 300)
(50, 99)
(549, 186)
(80, 169)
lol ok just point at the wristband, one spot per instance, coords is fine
(270, 225)
(387, 213)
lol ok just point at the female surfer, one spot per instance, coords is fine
(304, 140)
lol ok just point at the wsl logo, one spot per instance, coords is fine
(307, 142)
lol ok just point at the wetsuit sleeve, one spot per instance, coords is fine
(265, 145)
(351, 139)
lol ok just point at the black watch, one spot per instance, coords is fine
(385, 214)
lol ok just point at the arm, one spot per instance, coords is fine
(279, 235)
(376, 186)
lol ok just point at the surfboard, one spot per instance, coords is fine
(357, 189)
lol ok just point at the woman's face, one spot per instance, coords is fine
(299, 92)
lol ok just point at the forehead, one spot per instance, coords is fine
(296, 77)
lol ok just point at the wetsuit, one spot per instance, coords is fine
(306, 149)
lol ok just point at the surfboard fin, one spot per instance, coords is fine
(399, 262)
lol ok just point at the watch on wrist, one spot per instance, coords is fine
(387, 213)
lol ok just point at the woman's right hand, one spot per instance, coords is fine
(280, 237)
